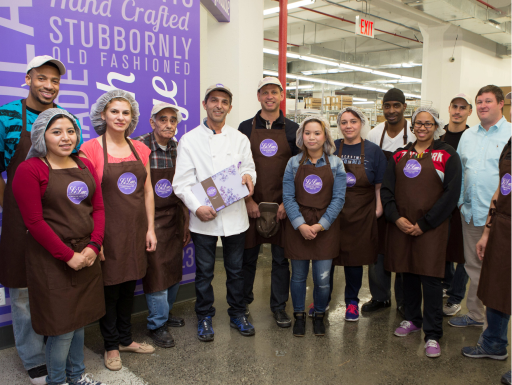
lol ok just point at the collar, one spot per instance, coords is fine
(263, 122)
(212, 132)
(153, 144)
(450, 132)
(494, 127)
(322, 159)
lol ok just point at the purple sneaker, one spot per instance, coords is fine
(432, 349)
(405, 329)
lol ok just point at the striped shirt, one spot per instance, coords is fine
(159, 158)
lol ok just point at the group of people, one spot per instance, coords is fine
(410, 198)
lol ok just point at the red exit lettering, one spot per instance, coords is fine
(364, 27)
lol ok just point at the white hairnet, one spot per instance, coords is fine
(440, 131)
(39, 127)
(100, 126)
(329, 146)
(365, 124)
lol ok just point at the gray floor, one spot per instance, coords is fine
(364, 352)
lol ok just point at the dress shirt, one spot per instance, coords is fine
(202, 154)
(479, 151)
(338, 190)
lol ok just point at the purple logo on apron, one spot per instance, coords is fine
(211, 191)
(412, 168)
(268, 147)
(127, 183)
(505, 184)
(163, 188)
(78, 191)
(351, 179)
(312, 184)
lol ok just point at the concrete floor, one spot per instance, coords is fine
(364, 352)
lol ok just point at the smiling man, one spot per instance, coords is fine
(479, 149)
(16, 119)
(272, 138)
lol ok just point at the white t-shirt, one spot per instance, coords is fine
(390, 144)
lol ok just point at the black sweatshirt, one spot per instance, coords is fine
(446, 162)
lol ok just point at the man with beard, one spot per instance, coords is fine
(204, 151)
(390, 135)
(16, 119)
(272, 138)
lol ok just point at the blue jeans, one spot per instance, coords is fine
(494, 338)
(233, 252)
(30, 346)
(65, 357)
(159, 306)
(458, 284)
(321, 290)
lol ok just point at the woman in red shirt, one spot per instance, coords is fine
(123, 168)
(62, 207)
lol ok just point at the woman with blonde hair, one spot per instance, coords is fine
(313, 195)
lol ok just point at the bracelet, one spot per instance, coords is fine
(95, 245)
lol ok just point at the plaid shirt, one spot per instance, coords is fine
(159, 158)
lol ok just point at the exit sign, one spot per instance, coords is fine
(364, 27)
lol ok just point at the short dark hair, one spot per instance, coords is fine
(497, 91)
(208, 96)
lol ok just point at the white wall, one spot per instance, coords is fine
(232, 54)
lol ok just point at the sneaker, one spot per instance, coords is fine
(445, 295)
(161, 337)
(282, 319)
(479, 352)
(175, 322)
(406, 328)
(38, 375)
(247, 311)
(451, 309)
(299, 327)
(464, 321)
(432, 349)
(505, 379)
(318, 324)
(87, 379)
(205, 329)
(244, 327)
(373, 305)
(312, 310)
(352, 312)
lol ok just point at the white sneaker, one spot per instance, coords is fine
(444, 293)
(451, 309)
(87, 379)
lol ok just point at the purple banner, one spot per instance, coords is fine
(220, 9)
(150, 48)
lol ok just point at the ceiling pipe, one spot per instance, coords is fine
(276, 41)
(283, 48)
(490, 6)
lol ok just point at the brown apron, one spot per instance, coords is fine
(313, 193)
(126, 223)
(455, 249)
(494, 286)
(62, 299)
(271, 152)
(165, 265)
(13, 272)
(381, 222)
(358, 220)
(417, 189)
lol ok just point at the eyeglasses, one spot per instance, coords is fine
(426, 124)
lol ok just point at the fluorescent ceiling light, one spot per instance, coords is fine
(370, 102)
(360, 99)
(389, 75)
(292, 87)
(297, 4)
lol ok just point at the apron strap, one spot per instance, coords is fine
(105, 154)
(383, 134)
(79, 162)
(133, 149)
(362, 150)
(405, 132)
(47, 163)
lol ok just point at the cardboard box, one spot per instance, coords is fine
(506, 111)
(380, 118)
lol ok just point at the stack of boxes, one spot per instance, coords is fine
(336, 103)
(313, 103)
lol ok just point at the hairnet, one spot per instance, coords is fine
(440, 131)
(100, 126)
(39, 127)
(365, 124)
(329, 146)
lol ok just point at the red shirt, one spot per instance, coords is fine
(29, 185)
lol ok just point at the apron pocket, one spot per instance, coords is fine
(58, 276)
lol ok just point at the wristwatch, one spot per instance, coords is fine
(321, 227)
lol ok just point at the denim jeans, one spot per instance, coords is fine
(65, 357)
(279, 277)
(159, 306)
(380, 283)
(494, 338)
(457, 289)
(233, 252)
(321, 290)
(30, 346)
(353, 283)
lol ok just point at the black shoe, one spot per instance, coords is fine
(247, 312)
(318, 324)
(373, 305)
(505, 379)
(282, 319)
(175, 322)
(161, 337)
(38, 374)
(400, 309)
(299, 327)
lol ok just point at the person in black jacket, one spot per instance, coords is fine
(420, 190)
